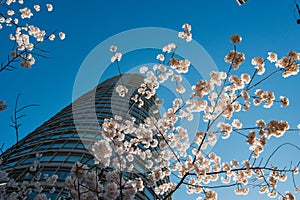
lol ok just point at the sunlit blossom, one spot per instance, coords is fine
(272, 57)
(160, 57)
(49, 7)
(246, 78)
(102, 151)
(25, 13)
(52, 37)
(169, 48)
(259, 64)
(237, 124)
(37, 8)
(113, 48)
(62, 35)
(294, 55)
(186, 34)
(235, 59)
(10, 12)
(284, 101)
(143, 69)
(177, 78)
(116, 57)
(235, 39)
(180, 89)
(2, 105)
(121, 90)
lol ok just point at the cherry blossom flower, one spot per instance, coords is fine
(259, 64)
(25, 13)
(169, 48)
(235, 39)
(160, 57)
(177, 78)
(237, 82)
(186, 34)
(180, 89)
(2, 105)
(294, 55)
(111, 191)
(10, 12)
(277, 128)
(235, 58)
(113, 48)
(272, 57)
(203, 88)
(52, 37)
(237, 124)
(117, 57)
(49, 7)
(102, 151)
(291, 70)
(143, 69)
(217, 77)
(37, 8)
(246, 78)
(284, 62)
(284, 101)
(62, 35)
(226, 129)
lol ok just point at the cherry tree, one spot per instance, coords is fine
(26, 40)
(25, 37)
(171, 159)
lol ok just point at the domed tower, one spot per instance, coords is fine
(68, 136)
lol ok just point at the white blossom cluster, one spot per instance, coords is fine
(164, 144)
(117, 55)
(90, 183)
(162, 147)
(16, 17)
(11, 189)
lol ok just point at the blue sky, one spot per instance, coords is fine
(265, 25)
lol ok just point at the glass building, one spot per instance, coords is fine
(240, 2)
(68, 136)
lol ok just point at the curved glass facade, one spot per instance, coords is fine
(67, 136)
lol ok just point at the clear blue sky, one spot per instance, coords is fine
(266, 25)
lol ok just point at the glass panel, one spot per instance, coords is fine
(45, 146)
(89, 135)
(24, 151)
(87, 160)
(58, 158)
(69, 145)
(73, 158)
(9, 164)
(66, 135)
(80, 146)
(28, 160)
(45, 158)
(62, 175)
(148, 193)
(55, 136)
(57, 145)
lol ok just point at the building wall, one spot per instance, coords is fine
(67, 137)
